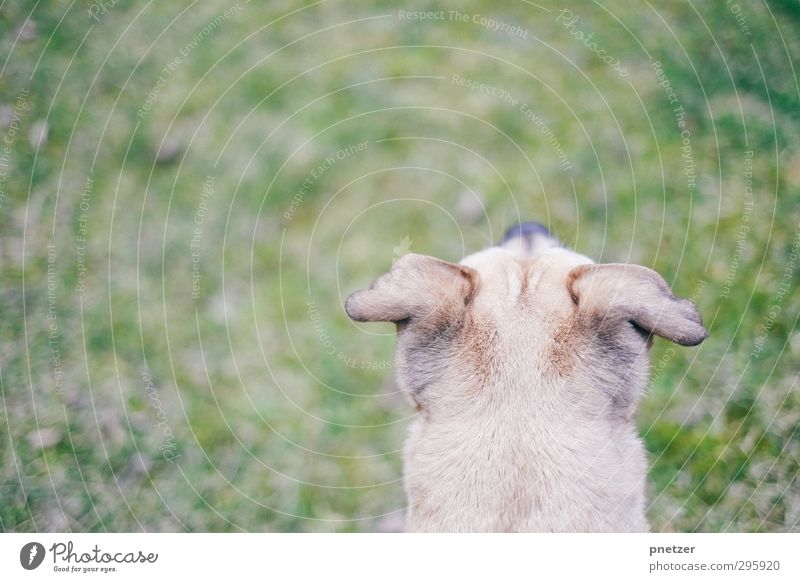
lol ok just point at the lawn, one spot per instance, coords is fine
(188, 192)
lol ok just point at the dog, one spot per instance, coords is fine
(525, 363)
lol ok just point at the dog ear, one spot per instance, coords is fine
(616, 294)
(417, 287)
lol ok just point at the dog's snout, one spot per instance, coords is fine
(526, 229)
(528, 238)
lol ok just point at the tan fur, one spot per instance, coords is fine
(525, 362)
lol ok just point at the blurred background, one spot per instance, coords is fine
(188, 192)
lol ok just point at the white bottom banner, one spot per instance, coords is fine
(372, 557)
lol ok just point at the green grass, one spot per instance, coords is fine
(281, 411)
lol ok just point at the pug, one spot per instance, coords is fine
(525, 363)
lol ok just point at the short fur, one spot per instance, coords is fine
(525, 363)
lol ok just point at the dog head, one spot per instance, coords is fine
(523, 317)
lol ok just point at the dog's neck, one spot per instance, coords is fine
(519, 457)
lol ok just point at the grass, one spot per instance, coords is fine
(176, 250)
